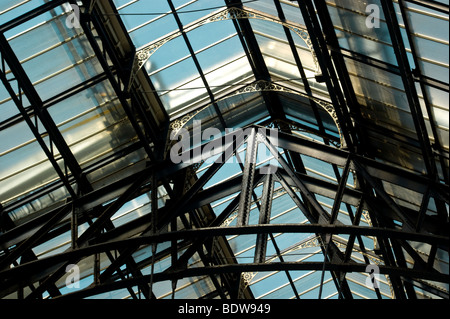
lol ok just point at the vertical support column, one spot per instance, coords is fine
(417, 72)
(96, 269)
(247, 180)
(340, 191)
(154, 220)
(74, 226)
(410, 86)
(5, 50)
(264, 218)
(43, 115)
(173, 254)
(326, 65)
(197, 64)
(326, 239)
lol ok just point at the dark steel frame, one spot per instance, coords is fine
(190, 204)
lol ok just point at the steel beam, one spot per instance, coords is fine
(228, 187)
(339, 64)
(122, 66)
(45, 266)
(33, 97)
(197, 64)
(64, 179)
(431, 4)
(390, 173)
(298, 62)
(409, 86)
(247, 179)
(31, 241)
(319, 215)
(91, 243)
(340, 192)
(82, 241)
(178, 204)
(326, 66)
(116, 86)
(418, 73)
(407, 223)
(264, 219)
(206, 196)
(30, 15)
(49, 262)
(254, 267)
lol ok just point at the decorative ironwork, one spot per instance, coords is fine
(317, 241)
(230, 219)
(118, 247)
(178, 124)
(367, 217)
(145, 53)
(246, 278)
(262, 86)
(192, 171)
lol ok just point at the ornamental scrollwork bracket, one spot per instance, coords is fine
(144, 54)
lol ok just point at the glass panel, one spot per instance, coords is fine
(68, 79)
(179, 85)
(95, 126)
(23, 170)
(241, 110)
(300, 108)
(438, 72)
(14, 8)
(14, 136)
(431, 50)
(234, 73)
(277, 52)
(211, 33)
(5, 6)
(54, 61)
(43, 36)
(171, 52)
(8, 108)
(157, 29)
(147, 21)
(292, 12)
(197, 9)
(427, 22)
(266, 6)
(349, 20)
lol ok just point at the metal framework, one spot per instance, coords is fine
(181, 228)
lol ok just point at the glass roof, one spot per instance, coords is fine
(87, 111)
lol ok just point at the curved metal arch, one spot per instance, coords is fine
(247, 270)
(144, 54)
(262, 86)
(49, 262)
(45, 266)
